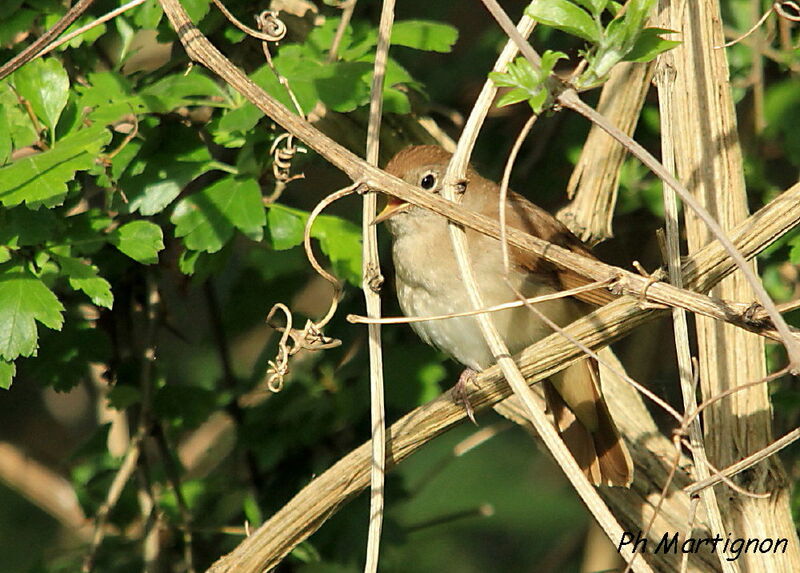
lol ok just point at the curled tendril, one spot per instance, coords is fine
(271, 26)
(291, 342)
(263, 36)
(283, 151)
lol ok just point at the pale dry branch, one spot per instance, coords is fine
(700, 123)
(44, 488)
(371, 284)
(680, 324)
(594, 183)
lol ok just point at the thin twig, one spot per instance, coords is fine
(347, 7)
(746, 463)
(357, 319)
(32, 51)
(93, 24)
(371, 284)
(512, 157)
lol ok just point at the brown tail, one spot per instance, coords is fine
(584, 423)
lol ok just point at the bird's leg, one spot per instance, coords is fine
(460, 392)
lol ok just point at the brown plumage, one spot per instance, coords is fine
(429, 282)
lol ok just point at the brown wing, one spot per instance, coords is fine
(525, 216)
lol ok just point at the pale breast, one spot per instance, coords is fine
(429, 283)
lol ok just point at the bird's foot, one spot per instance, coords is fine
(460, 392)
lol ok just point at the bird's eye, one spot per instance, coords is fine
(428, 181)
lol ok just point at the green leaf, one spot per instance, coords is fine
(123, 396)
(340, 86)
(285, 227)
(185, 406)
(6, 142)
(15, 27)
(549, 60)
(596, 7)
(7, 372)
(162, 169)
(83, 277)
(528, 83)
(175, 91)
(140, 240)
(152, 191)
(24, 299)
(41, 179)
(424, 35)
(64, 357)
(567, 17)
(21, 227)
(339, 239)
(45, 84)
(207, 219)
(794, 250)
(514, 96)
(650, 44)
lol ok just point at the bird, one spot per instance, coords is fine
(428, 283)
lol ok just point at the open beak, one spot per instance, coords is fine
(393, 207)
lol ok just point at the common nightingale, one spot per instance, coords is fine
(429, 283)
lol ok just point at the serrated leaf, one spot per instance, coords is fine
(163, 168)
(207, 219)
(567, 17)
(83, 277)
(7, 372)
(41, 179)
(24, 300)
(424, 35)
(650, 44)
(45, 84)
(140, 240)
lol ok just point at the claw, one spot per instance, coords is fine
(460, 392)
